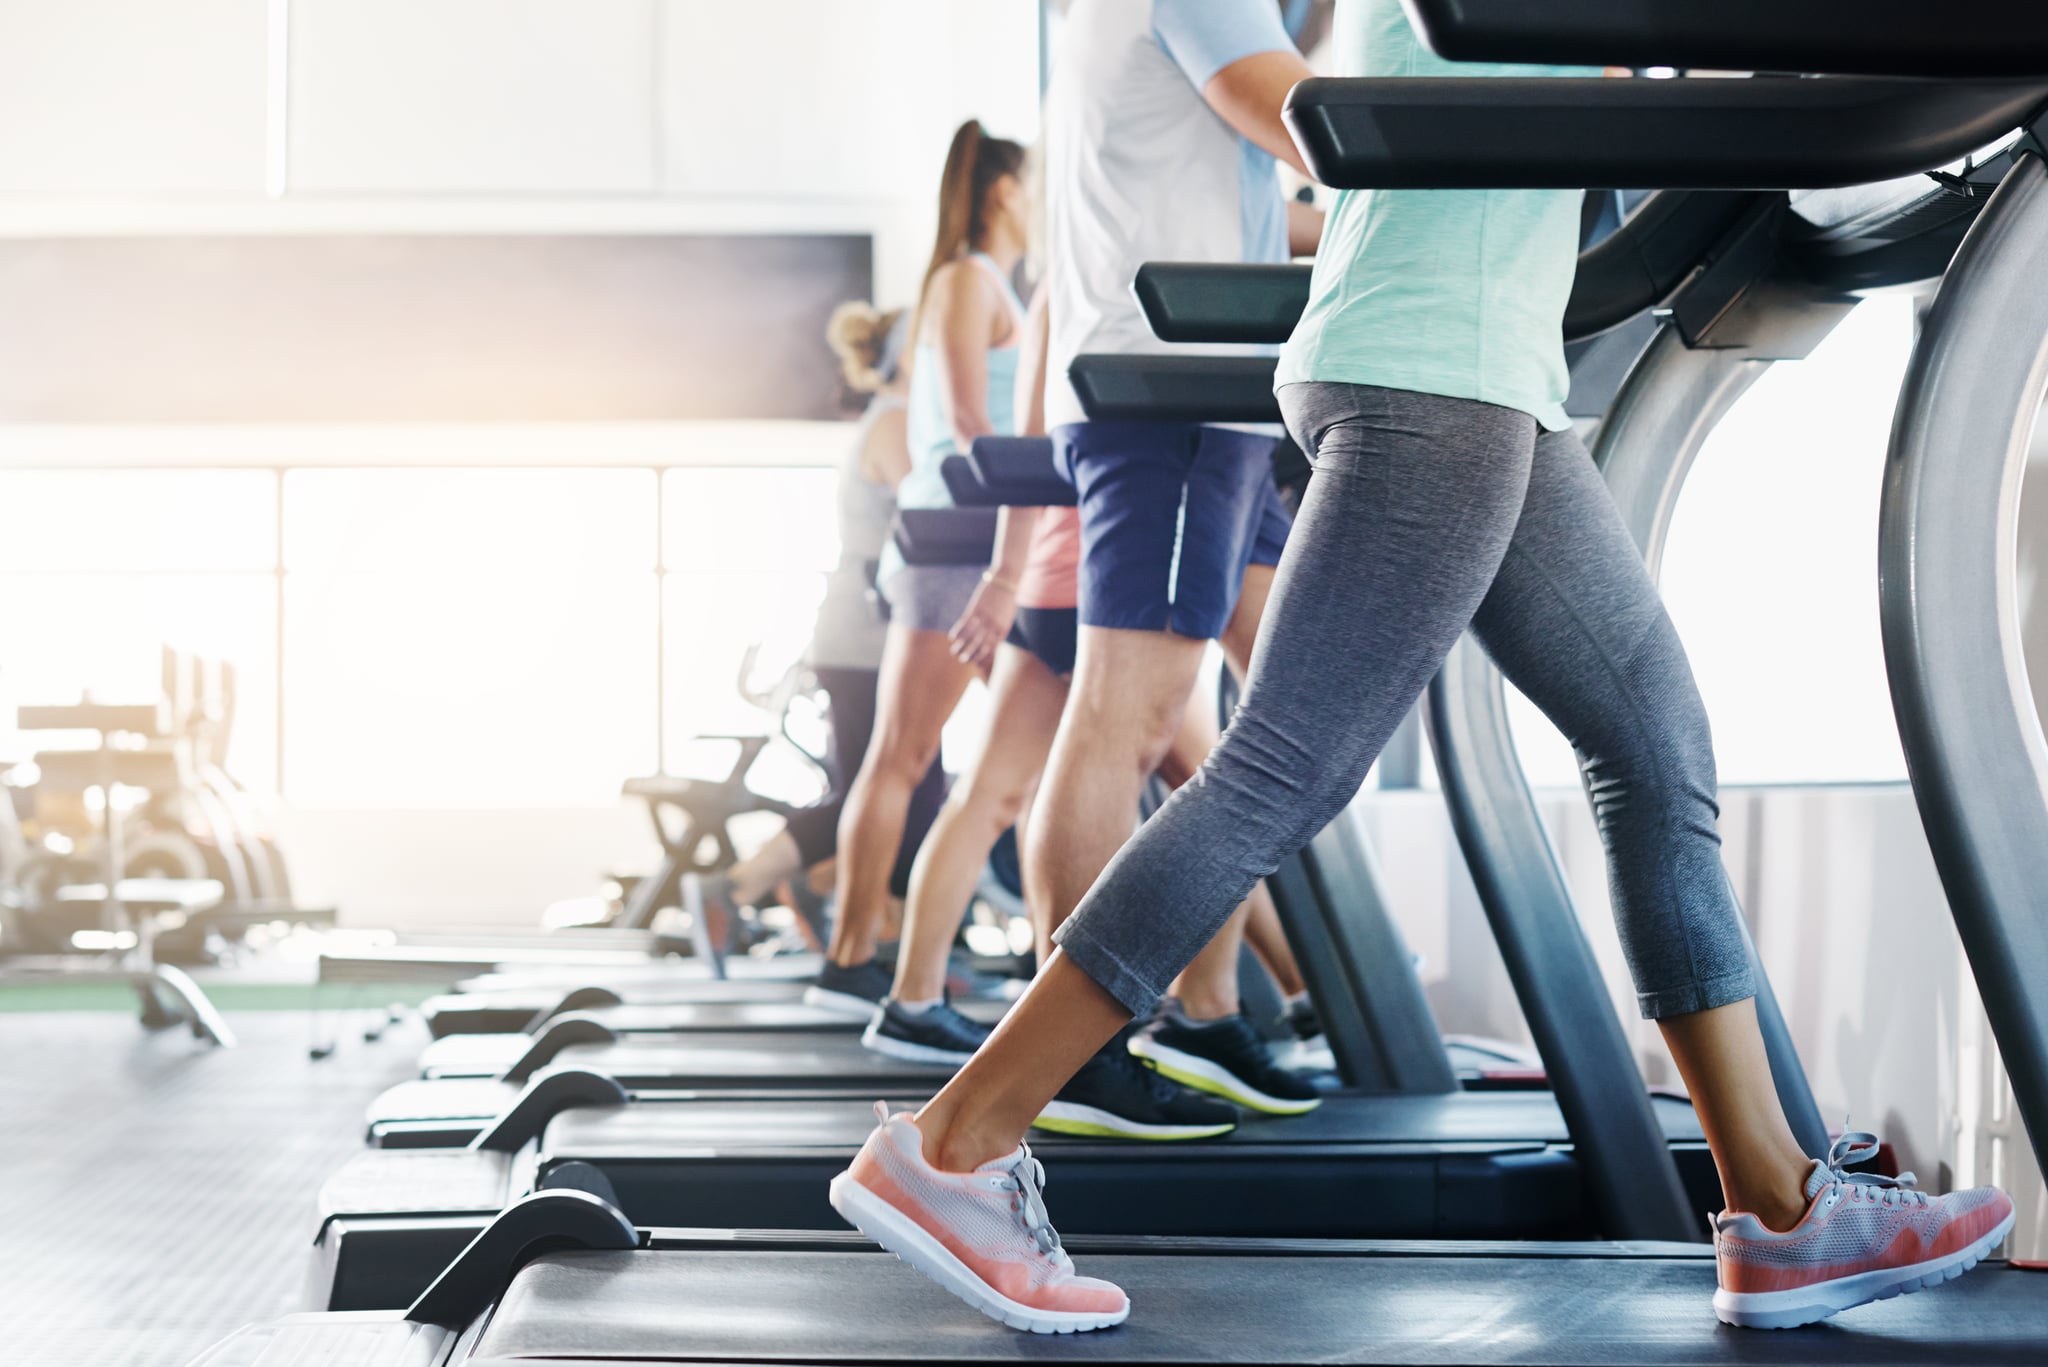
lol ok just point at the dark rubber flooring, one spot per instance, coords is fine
(155, 1194)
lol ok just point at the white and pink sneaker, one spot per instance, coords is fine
(982, 1235)
(1863, 1239)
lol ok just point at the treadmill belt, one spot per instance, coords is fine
(750, 1059)
(795, 1307)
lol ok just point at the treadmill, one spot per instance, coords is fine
(1466, 1164)
(651, 1296)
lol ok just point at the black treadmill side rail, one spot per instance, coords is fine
(964, 485)
(1116, 388)
(545, 1097)
(1886, 37)
(1210, 301)
(1020, 471)
(945, 536)
(1631, 269)
(545, 1222)
(1579, 133)
(1948, 527)
(1640, 263)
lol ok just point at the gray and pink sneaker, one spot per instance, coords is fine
(1863, 1239)
(982, 1235)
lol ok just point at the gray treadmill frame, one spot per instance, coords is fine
(1949, 529)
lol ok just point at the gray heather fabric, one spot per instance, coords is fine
(1426, 515)
(929, 597)
(850, 626)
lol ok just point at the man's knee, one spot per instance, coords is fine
(900, 760)
(997, 805)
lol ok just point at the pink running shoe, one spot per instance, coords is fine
(1863, 1239)
(982, 1235)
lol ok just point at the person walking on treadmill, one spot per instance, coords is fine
(1426, 380)
(845, 652)
(1021, 625)
(965, 331)
(1162, 124)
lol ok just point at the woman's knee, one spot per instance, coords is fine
(1290, 780)
(993, 805)
(900, 757)
(1651, 754)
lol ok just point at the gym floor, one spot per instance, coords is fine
(159, 1192)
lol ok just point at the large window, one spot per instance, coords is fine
(468, 638)
(100, 569)
(420, 637)
(1770, 571)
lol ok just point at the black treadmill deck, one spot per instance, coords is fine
(1557, 1311)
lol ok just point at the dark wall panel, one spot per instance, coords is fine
(422, 329)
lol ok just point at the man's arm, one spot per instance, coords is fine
(1304, 228)
(1249, 94)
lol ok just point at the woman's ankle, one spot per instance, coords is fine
(1778, 1200)
(951, 1146)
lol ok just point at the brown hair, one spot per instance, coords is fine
(974, 163)
(859, 336)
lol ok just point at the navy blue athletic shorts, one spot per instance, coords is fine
(1171, 514)
(1048, 633)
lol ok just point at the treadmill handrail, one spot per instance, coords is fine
(1221, 301)
(1021, 472)
(1631, 269)
(1149, 388)
(964, 484)
(1450, 133)
(1965, 38)
(945, 536)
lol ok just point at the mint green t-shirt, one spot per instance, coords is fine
(1453, 292)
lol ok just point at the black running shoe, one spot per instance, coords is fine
(1226, 1057)
(1304, 1022)
(937, 1035)
(1116, 1096)
(851, 992)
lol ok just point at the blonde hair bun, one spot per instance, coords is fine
(859, 336)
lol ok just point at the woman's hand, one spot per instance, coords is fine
(986, 623)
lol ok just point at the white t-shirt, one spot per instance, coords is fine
(1139, 168)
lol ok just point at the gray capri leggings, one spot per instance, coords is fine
(1428, 515)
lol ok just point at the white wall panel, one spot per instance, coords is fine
(132, 96)
(850, 99)
(528, 96)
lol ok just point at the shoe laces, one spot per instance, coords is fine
(1156, 1085)
(1858, 1146)
(1027, 1198)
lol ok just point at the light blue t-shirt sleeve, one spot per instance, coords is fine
(1204, 36)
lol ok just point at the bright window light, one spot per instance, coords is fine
(66, 634)
(433, 522)
(159, 521)
(468, 638)
(480, 689)
(1771, 570)
(776, 520)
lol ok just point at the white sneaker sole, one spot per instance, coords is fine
(904, 1049)
(840, 1003)
(1805, 1304)
(904, 1237)
(1068, 1117)
(1204, 1075)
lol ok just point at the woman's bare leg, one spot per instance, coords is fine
(1024, 716)
(920, 686)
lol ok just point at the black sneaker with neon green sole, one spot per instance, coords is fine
(1115, 1096)
(1226, 1058)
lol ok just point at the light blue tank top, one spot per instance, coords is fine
(930, 426)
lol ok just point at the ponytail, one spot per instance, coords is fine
(974, 163)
